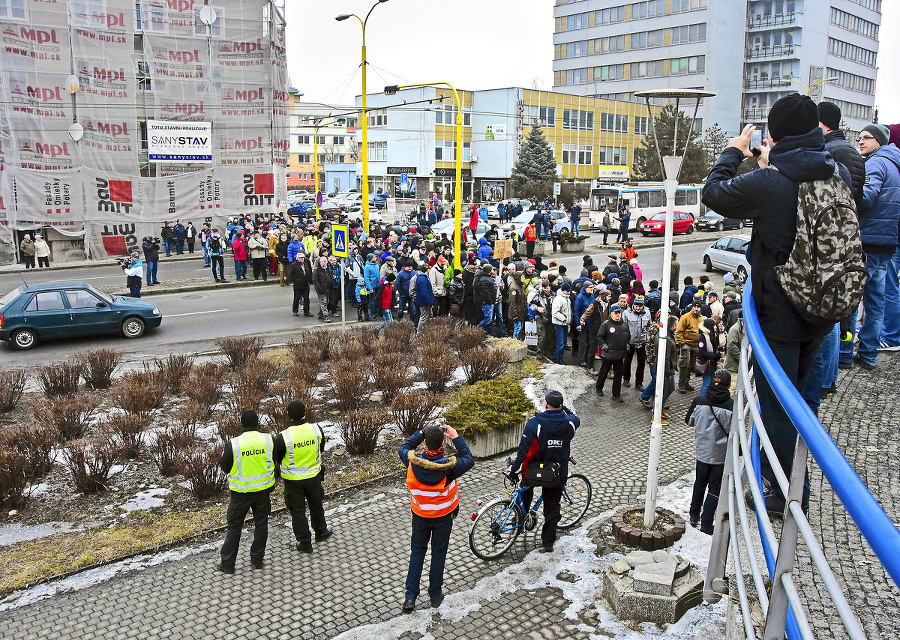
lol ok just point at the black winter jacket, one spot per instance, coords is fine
(613, 338)
(322, 279)
(847, 155)
(301, 274)
(769, 198)
(485, 290)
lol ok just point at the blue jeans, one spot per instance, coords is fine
(873, 300)
(707, 378)
(796, 360)
(824, 371)
(168, 244)
(386, 313)
(845, 351)
(135, 291)
(517, 329)
(179, 246)
(650, 389)
(240, 269)
(488, 311)
(890, 331)
(438, 531)
(498, 318)
(575, 227)
(561, 330)
(205, 254)
(373, 303)
(404, 302)
(152, 268)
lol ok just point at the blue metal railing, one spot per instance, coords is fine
(873, 523)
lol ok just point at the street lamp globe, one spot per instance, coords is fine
(342, 17)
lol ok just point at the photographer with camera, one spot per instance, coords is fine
(134, 272)
(151, 257)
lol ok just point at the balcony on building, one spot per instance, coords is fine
(767, 84)
(777, 20)
(772, 52)
(755, 115)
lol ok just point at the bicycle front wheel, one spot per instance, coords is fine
(495, 530)
(576, 499)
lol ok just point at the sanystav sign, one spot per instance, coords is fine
(169, 141)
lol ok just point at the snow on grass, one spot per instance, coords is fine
(14, 533)
(147, 499)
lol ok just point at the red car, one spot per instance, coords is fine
(684, 223)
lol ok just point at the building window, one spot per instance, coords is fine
(573, 119)
(650, 69)
(351, 123)
(680, 6)
(143, 75)
(854, 23)
(577, 21)
(612, 155)
(320, 139)
(609, 72)
(612, 122)
(338, 140)
(303, 139)
(304, 158)
(577, 49)
(648, 39)
(689, 33)
(851, 81)
(609, 16)
(539, 116)
(12, 9)
(874, 5)
(467, 151)
(444, 151)
(843, 49)
(685, 66)
(609, 45)
(641, 125)
(577, 154)
(377, 151)
(378, 118)
(648, 9)
(852, 109)
(577, 76)
(215, 29)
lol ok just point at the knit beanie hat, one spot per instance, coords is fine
(249, 420)
(722, 378)
(296, 411)
(792, 115)
(880, 132)
(830, 115)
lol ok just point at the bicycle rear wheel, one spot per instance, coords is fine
(576, 499)
(495, 530)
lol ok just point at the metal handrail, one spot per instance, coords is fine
(781, 605)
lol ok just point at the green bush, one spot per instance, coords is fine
(488, 405)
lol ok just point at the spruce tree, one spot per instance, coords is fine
(536, 162)
(646, 164)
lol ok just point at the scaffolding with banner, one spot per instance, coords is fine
(77, 88)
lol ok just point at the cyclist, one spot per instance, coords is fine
(546, 439)
(433, 495)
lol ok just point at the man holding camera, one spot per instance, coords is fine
(134, 271)
(547, 437)
(151, 257)
(434, 499)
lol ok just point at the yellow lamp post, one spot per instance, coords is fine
(319, 124)
(457, 199)
(365, 115)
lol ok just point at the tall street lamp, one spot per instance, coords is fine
(671, 166)
(365, 115)
(319, 124)
(457, 199)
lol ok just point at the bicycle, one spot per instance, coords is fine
(497, 525)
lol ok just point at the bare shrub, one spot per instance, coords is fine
(238, 351)
(59, 379)
(228, 425)
(203, 385)
(187, 415)
(347, 381)
(361, 428)
(467, 338)
(286, 392)
(13, 477)
(257, 375)
(176, 368)
(438, 330)
(303, 371)
(127, 431)
(200, 467)
(99, 367)
(403, 332)
(68, 416)
(35, 442)
(364, 336)
(484, 363)
(90, 460)
(169, 444)
(437, 362)
(139, 392)
(414, 410)
(390, 377)
(348, 348)
(321, 342)
(12, 384)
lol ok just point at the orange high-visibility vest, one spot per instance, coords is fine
(431, 501)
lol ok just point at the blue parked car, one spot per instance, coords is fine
(54, 310)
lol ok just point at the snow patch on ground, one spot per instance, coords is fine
(145, 500)
(570, 381)
(14, 533)
(98, 575)
(573, 555)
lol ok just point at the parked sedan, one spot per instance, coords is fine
(728, 254)
(712, 221)
(53, 310)
(684, 223)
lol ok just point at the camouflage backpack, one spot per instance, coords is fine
(826, 271)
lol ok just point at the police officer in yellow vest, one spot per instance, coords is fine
(434, 498)
(248, 460)
(299, 449)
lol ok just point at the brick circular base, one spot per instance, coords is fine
(646, 540)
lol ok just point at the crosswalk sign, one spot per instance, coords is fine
(340, 234)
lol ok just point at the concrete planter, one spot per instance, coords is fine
(540, 248)
(573, 245)
(494, 442)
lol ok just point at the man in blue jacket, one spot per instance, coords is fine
(294, 248)
(583, 300)
(796, 148)
(372, 276)
(879, 219)
(403, 277)
(434, 499)
(424, 297)
(547, 438)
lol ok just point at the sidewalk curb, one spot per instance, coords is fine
(86, 264)
(148, 290)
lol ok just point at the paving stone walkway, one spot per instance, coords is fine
(356, 578)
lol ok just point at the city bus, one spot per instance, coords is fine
(645, 199)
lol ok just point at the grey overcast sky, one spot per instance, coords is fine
(474, 44)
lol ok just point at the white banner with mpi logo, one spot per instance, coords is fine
(48, 198)
(179, 141)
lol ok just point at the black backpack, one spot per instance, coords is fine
(215, 244)
(825, 274)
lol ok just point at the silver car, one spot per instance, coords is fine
(728, 254)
